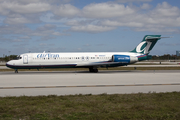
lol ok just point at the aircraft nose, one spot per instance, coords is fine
(8, 64)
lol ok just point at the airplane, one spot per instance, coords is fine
(91, 60)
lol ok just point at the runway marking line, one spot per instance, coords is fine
(88, 86)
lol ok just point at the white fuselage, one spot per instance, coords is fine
(91, 60)
(60, 60)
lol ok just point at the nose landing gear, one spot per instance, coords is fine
(16, 71)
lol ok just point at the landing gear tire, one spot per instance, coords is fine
(16, 71)
(90, 69)
(96, 70)
(93, 70)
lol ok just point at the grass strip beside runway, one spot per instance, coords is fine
(159, 106)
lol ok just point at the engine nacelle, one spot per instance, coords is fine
(121, 58)
(124, 59)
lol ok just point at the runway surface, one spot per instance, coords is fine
(82, 82)
(4, 67)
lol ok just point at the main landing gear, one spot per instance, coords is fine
(16, 71)
(95, 70)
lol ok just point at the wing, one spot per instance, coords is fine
(98, 64)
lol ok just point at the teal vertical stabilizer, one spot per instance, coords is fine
(146, 44)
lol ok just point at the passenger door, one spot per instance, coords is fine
(25, 59)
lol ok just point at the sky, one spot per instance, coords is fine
(87, 25)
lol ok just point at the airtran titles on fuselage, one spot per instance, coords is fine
(48, 55)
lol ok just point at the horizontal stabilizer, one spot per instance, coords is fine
(154, 38)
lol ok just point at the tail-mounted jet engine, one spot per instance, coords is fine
(124, 59)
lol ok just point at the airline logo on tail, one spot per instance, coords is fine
(146, 44)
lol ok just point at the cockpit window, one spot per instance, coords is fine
(18, 57)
